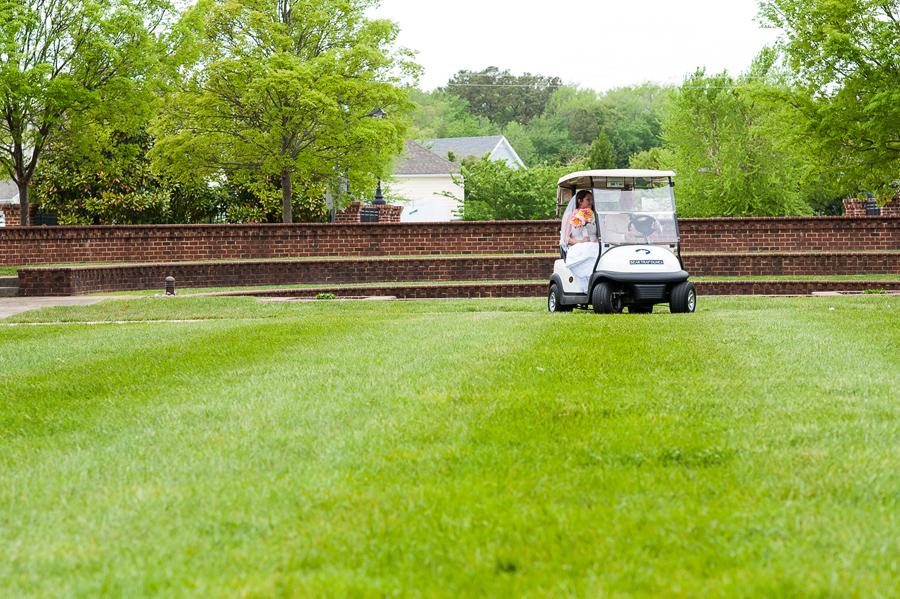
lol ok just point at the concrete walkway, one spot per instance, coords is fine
(15, 305)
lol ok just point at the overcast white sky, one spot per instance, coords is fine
(599, 44)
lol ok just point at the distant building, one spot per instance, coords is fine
(9, 197)
(425, 181)
(496, 147)
(9, 192)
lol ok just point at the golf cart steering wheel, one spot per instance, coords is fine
(643, 224)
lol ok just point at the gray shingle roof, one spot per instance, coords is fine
(419, 160)
(465, 146)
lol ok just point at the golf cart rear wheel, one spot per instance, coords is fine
(684, 298)
(553, 301)
(605, 300)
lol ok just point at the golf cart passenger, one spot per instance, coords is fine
(627, 226)
(578, 233)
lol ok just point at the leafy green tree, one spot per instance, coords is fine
(501, 96)
(768, 85)
(259, 199)
(496, 191)
(114, 187)
(581, 113)
(117, 186)
(726, 164)
(549, 138)
(518, 137)
(572, 119)
(846, 85)
(633, 118)
(654, 159)
(602, 154)
(440, 114)
(62, 59)
(284, 88)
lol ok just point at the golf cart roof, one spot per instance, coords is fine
(583, 178)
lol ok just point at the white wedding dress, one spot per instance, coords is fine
(580, 257)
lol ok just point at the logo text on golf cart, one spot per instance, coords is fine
(645, 262)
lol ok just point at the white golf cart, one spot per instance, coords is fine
(634, 261)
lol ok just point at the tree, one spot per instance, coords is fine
(116, 187)
(440, 114)
(602, 154)
(496, 191)
(60, 60)
(654, 159)
(284, 88)
(846, 87)
(503, 97)
(518, 137)
(726, 164)
(633, 118)
(571, 120)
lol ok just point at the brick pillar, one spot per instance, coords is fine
(350, 214)
(11, 214)
(387, 213)
(855, 207)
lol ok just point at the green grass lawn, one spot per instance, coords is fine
(451, 449)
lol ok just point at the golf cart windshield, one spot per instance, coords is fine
(631, 206)
(638, 215)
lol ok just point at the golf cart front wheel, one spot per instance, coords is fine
(553, 301)
(605, 300)
(684, 298)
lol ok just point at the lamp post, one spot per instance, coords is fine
(378, 113)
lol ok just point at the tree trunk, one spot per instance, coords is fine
(24, 205)
(287, 215)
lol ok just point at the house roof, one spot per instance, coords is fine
(419, 160)
(473, 146)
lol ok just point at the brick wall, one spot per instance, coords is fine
(339, 271)
(181, 243)
(791, 264)
(103, 279)
(189, 243)
(791, 234)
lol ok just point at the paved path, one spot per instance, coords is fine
(14, 305)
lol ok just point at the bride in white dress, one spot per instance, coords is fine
(580, 239)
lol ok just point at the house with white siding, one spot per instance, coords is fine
(425, 183)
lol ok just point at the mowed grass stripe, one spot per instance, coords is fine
(357, 450)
